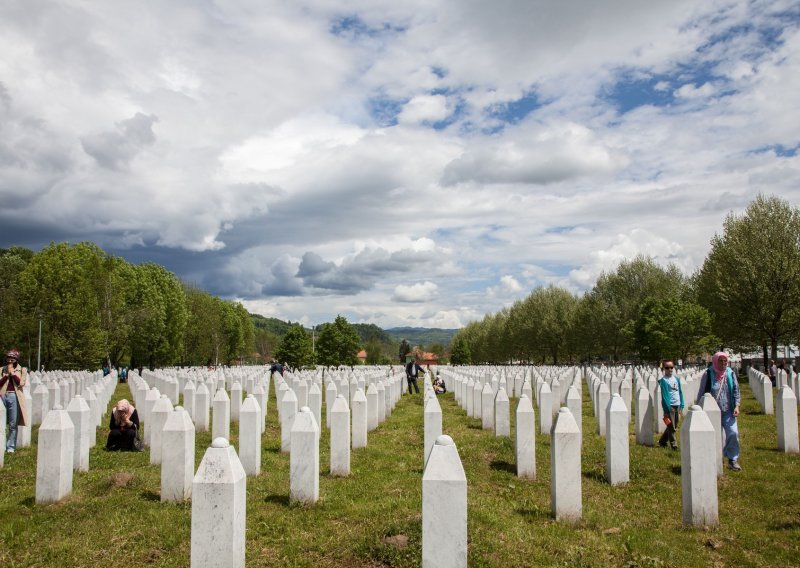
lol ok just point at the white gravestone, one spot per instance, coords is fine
(711, 408)
(786, 415)
(603, 396)
(158, 417)
(261, 398)
(432, 425)
(502, 412)
(54, 457)
(219, 514)
(698, 469)
(315, 403)
(236, 401)
(201, 404)
(545, 413)
(444, 508)
(372, 408)
(487, 407)
(177, 456)
(78, 412)
(304, 459)
(39, 405)
(340, 436)
(644, 417)
(525, 438)
(288, 412)
(330, 399)
(565, 468)
(359, 414)
(575, 405)
(250, 436)
(617, 450)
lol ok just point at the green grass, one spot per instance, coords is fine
(373, 517)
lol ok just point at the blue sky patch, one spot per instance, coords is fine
(353, 27)
(514, 111)
(385, 110)
(779, 149)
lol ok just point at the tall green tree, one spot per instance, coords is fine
(617, 297)
(12, 262)
(338, 343)
(60, 282)
(673, 328)
(296, 349)
(374, 351)
(460, 354)
(750, 280)
(160, 316)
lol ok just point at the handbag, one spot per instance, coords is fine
(138, 442)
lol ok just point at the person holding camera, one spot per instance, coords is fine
(12, 381)
(123, 428)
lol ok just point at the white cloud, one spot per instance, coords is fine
(425, 108)
(419, 292)
(256, 152)
(506, 288)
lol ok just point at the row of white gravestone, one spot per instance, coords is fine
(702, 447)
(220, 483)
(761, 386)
(65, 438)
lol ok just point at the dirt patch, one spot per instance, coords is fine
(613, 530)
(120, 479)
(398, 541)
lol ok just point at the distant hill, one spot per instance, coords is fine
(366, 331)
(276, 326)
(422, 335)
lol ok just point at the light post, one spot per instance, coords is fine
(39, 349)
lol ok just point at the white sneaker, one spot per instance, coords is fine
(10, 451)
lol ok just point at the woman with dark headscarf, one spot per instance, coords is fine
(123, 427)
(721, 382)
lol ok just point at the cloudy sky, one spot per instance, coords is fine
(401, 163)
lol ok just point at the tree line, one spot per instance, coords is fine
(94, 309)
(745, 296)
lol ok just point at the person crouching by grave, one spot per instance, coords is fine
(721, 382)
(439, 386)
(412, 372)
(672, 403)
(12, 380)
(123, 427)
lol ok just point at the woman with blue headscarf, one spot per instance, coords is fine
(721, 382)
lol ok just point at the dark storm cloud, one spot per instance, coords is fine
(360, 272)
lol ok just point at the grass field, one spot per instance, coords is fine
(373, 518)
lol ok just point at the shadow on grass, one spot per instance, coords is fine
(535, 513)
(475, 426)
(28, 502)
(595, 475)
(151, 496)
(785, 526)
(502, 465)
(676, 469)
(277, 499)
